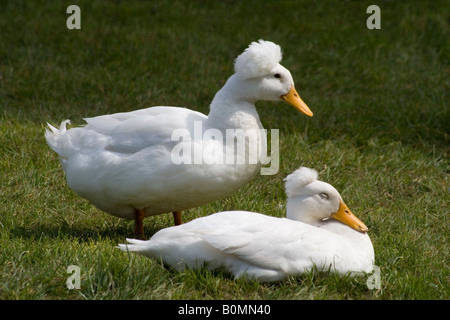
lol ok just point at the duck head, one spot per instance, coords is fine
(260, 76)
(312, 201)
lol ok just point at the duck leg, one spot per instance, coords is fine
(177, 217)
(139, 216)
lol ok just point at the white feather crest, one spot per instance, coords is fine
(258, 59)
(298, 179)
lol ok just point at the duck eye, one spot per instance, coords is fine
(277, 75)
(324, 195)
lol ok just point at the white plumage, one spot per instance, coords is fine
(258, 59)
(123, 163)
(266, 248)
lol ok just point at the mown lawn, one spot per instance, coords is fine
(379, 134)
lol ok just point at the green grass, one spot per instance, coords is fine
(379, 134)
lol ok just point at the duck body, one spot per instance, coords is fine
(122, 162)
(257, 246)
(319, 231)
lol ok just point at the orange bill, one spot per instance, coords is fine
(346, 216)
(294, 100)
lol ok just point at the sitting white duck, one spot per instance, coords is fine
(266, 248)
(124, 163)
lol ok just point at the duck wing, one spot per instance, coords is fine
(130, 132)
(272, 243)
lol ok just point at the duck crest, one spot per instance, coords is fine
(258, 59)
(298, 179)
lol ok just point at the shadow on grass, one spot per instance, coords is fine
(78, 233)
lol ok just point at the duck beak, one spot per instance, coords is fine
(294, 100)
(346, 216)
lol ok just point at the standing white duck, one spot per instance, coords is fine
(123, 163)
(266, 248)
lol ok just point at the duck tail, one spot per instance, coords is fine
(52, 136)
(133, 245)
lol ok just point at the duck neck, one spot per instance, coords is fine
(230, 109)
(295, 211)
